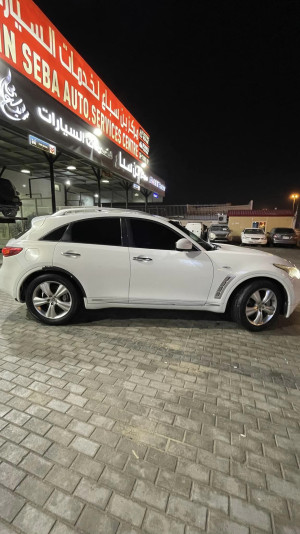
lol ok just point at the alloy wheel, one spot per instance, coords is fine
(52, 300)
(261, 306)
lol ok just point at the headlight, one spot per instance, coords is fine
(212, 235)
(292, 271)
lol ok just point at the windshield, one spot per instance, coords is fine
(253, 231)
(219, 229)
(284, 230)
(204, 244)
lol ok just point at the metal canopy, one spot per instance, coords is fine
(17, 154)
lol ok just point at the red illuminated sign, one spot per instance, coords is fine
(32, 45)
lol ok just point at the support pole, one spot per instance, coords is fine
(51, 160)
(146, 195)
(30, 186)
(51, 169)
(98, 174)
(66, 195)
(126, 186)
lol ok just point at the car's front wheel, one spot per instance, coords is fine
(256, 306)
(9, 212)
(52, 299)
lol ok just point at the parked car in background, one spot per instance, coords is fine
(220, 233)
(113, 258)
(199, 229)
(282, 236)
(253, 236)
(9, 198)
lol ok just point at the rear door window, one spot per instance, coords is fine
(99, 231)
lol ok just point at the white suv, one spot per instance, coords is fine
(121, 258)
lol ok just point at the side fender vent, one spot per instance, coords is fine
(223, 286)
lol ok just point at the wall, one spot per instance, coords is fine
(40, 188)
(237, 224)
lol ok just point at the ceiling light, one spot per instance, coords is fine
(25, 171)
(71, 168)
(96, 195)
(97, 132)
(67, 182)
(24, 185)
(105, 181)
(136, 194)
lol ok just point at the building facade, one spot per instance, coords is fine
(266, 219)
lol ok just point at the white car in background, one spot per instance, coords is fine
(112, 258)
(253, 236)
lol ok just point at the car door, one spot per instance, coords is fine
(162, 275)
(92, 250)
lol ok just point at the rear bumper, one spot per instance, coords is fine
(254, 241)
(6, 280)
(280, 241)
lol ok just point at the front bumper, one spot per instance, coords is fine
(294, 300)
(222, 239)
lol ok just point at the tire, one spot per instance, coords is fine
(256, 306)
(62, 308)
(9, 212)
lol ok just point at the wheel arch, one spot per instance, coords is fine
(280, 286)
(50, 270)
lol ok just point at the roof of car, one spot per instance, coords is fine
(95, 210)
(67, 215)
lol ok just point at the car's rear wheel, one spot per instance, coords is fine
(256, 306)
(52, 299)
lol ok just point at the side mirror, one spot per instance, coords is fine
(183, 244)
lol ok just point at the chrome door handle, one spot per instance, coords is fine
(71, 254)
(141, 258)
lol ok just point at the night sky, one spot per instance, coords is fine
(215, 84)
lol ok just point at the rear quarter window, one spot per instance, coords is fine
(56, 234)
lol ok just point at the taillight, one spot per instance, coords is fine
(11, 251)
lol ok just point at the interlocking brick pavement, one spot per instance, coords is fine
(150, 422)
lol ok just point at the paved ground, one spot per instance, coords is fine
(148, 422)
